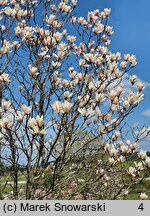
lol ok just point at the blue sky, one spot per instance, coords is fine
(131, 24)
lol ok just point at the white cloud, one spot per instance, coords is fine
(146, 113)
(147, 84)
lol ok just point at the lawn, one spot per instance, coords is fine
(134, 191)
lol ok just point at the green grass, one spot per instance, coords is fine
(4, 179)
(6, 189)
(135, 191)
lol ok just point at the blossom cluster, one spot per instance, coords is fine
(62, 107)
(37, 125)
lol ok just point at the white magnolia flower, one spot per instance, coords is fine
(5, 78)
(6, 123)
(26, 109)
(143, 196)
(66, 106)
(113, 151)
(111, 160)
(101, 128)
(57, 106)
(147, 161)
(131, 171)
(139, 166)
(142, 154)
(83, 111)
(6, 104)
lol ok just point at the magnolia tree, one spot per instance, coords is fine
(63, 101)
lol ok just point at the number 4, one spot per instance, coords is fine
(141, 207)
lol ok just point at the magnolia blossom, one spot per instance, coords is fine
(19, 116)
(3, 28)
(121, 159)
(50, 41)
(40, 120)
(6, 123)
(115, 136)
(132, 60)
(134, 98)
(65, 8)
(111, 160)
(66, 106)
(140, 86)
(142, 154)
(18, 31)
(106, 177)
(6, 104)
(113, 151)
(101, 128)
(7, 45)
(107, 11)
(53, 7)
(108, 117)
(57, 36)
(98, 29)
(80, 76)
(83, 111)
(1, 137)
(62, 46)
(133, 147)
(81, 20)
(123, 64)
(51, 19)
(99, 97)
(132, 79)
(126, 104)
(15, 12)
(74, 3)
(91, 86)
(5, 78)
(131, 171)
(73, 19)
(36, 124)
(65, 83)
(57, 106)
(93, 16)
(33, 70)
(148, 130)
(126, 193)
(143, 196)
(113, 107)
(36, 130)
(72, 74)
(67, 94)
(112, 95)
(90, 57)
(71, 39)
(56, 64)
(98, 112)
(147, 161)
(3, 2)
(126, 57)
(124, 149)
(139, 166)
(26, 109)
(109, 30)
